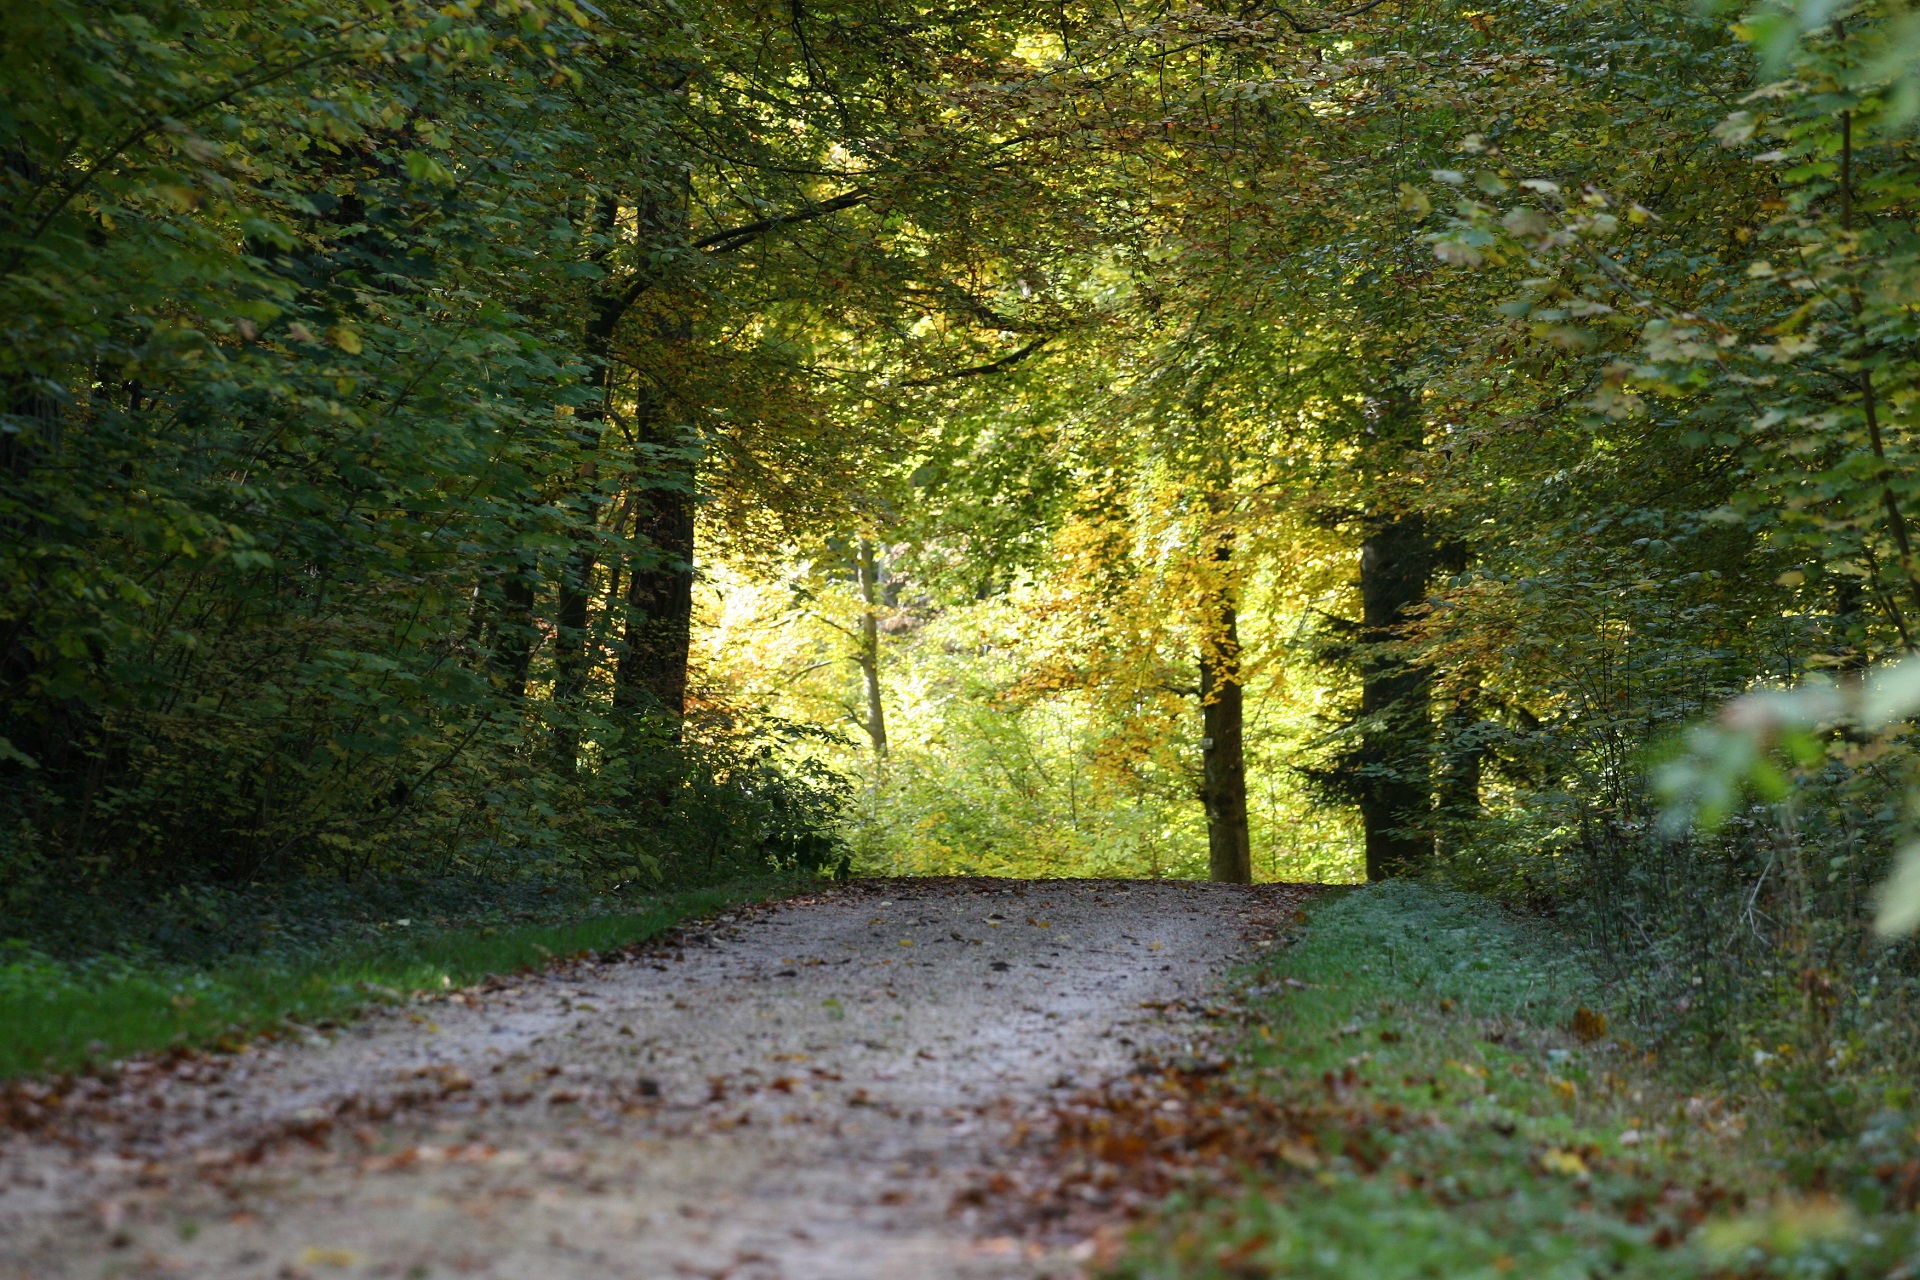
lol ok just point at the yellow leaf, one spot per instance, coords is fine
(1556, 1160)
(346, 339)
(317, 1257)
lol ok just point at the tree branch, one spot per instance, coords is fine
(738, 237)
(1301, 28)
(992, 366)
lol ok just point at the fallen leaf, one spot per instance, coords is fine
(313, 1256)
(1299, 1155)
(451, 1079)
(1567, 1163)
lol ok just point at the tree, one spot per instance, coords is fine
(868, 570)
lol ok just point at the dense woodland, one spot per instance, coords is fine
(640, 443)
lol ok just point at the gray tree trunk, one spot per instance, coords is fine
(1223, 784)
(868, 567)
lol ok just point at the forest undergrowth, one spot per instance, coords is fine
(214, 971)
(1417, 1083)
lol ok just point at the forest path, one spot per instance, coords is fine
(802, 1097)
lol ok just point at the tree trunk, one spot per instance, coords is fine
(651, 675)
(1223, 786)
(868, 569)
(573, 643)
(1396, 754)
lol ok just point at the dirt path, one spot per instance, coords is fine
(801, 1097)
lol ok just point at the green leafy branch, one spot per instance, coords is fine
(1759, 737)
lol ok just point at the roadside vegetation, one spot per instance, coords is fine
(1461, 1098)
(87, 1011)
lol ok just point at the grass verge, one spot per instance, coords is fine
(58, 1016)
(1460, 1109)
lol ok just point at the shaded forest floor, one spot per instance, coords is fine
(835, 1086)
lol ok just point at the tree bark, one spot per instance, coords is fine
(1396, 753)
(573, 657)
(868, 569)
(1223, 786)
(651, 675)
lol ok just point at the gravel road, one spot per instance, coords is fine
(800, 1092)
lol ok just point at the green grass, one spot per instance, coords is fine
(63, 1015)
(1465, 1130)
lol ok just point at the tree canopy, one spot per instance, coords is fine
(653, 440)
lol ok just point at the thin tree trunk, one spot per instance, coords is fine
(573, 643)
(1869, 408)
(868, 569)
(1223, 786)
